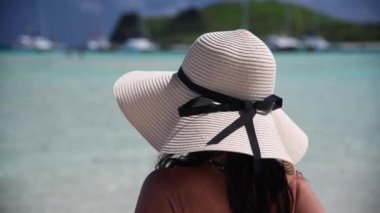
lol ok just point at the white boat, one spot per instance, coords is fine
(315, 42)
(98, 44)
(282, 42)
(43, 44)
(39, 43)
(140, 44)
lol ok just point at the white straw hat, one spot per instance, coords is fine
(233, 64)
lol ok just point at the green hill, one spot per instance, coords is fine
(265, 18)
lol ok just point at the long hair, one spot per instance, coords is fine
(249, 189)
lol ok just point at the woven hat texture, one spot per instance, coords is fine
(234, 63)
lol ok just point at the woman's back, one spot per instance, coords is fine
(203, 189)
(184, 189)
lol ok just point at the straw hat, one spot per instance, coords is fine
(221, 99)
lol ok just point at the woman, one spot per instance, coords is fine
(227, 145)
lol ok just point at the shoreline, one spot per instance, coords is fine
(344, 46)
(355, 45)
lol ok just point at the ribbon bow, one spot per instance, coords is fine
(217, 102)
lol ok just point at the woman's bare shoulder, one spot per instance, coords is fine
(305, 198)
(156, 192)
(168, 174)
(167, 178)
(159, 178)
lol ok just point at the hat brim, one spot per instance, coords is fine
(150, 101)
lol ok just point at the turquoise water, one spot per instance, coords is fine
(65, 147)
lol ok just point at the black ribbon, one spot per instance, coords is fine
(217, 102)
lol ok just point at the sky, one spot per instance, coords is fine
(74, 21)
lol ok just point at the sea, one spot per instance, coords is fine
(66, 147)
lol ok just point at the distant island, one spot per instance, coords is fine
(262, 18)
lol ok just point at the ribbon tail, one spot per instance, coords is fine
(250, 128)
(227, 131)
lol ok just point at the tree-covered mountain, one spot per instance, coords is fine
(74, 21)
(264, 18)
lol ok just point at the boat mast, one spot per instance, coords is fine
(100, 18)
(244, 14)
(41, 25)
(317, 24)
(144, 24)
(289, 18)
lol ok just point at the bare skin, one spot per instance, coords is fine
(202, 189)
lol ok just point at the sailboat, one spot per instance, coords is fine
(39, 40)
(131, 34)
(284, 41)
(315, 42)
